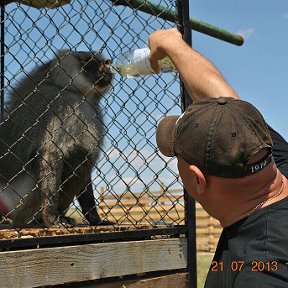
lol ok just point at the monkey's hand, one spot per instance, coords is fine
(66, 221)
(94, 219)
(104, 222)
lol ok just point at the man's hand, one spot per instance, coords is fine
(160, 42)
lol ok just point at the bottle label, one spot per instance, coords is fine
(141, 59)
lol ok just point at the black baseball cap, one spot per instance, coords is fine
(218, 135)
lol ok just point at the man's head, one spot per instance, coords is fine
(220, 136)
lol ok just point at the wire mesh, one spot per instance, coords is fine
(130, 182)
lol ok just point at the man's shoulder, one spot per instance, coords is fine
(280, 151)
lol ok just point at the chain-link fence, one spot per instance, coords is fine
(77, 144)
(68, 148)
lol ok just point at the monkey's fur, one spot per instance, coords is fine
(51, 138)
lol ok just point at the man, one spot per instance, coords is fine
(224, 147)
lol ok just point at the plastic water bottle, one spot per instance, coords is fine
(136, 63)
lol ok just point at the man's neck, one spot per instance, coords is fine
(232, 200)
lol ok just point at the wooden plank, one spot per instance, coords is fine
(138, 209)
(205, 222)
(208, 231)
(136, 214)
(53, 266)
(136, 195)
(146, 218)
(124, 202)
(207, 239)
(178, 280)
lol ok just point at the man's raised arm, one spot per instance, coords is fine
(201, 78)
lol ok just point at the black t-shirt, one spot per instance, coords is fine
(253, 252)
(280, 151)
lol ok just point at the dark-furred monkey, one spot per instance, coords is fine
(51, 138)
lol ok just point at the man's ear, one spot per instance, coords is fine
(201, 180)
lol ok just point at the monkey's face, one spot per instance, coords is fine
(96, 69)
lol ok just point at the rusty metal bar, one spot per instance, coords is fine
(78, 239)
(2, 51)
(170, 15)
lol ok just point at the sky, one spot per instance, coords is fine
(130, 159)
(257, 70)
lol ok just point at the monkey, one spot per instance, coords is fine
(51, 139)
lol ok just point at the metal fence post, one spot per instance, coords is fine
(190, 216)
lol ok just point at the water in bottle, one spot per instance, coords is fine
(136, 63)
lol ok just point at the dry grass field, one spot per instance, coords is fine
(203, 263)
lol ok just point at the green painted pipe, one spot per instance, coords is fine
(171, 15)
